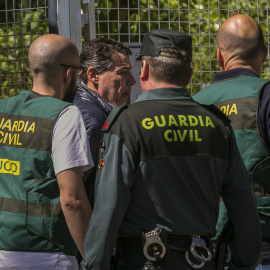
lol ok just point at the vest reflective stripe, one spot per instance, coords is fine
(32, 209)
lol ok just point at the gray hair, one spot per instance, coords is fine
(98, 53)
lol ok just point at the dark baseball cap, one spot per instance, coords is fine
(156, 40)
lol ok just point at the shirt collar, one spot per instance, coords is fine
(233, 73)
(164, 94)
(107, 106)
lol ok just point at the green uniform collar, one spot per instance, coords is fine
(165, 94)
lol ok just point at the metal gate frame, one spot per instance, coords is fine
(204, 60)
(79, 21)
(66, 20)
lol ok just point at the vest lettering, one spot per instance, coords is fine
(223, 109)
(166, 135)
(208, 122)
(182, 120)
(11, 138)
(160, 121)
(5, 139)
(174, 136)
(15, 126)
(21, 125)
(172, 121)
(26, 125)
(3, 119)
(201, 121)
(196, 136)
(18, 138)
(9, 166)
(147, 123)
(31, 128)
(233, 109)
(193, 121)
(183, 135)
(7, 125)
(163, 124)
(227, 110)
(178, 135)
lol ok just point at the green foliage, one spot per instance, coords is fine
(20, 23)
(199, 18)
(23, 21)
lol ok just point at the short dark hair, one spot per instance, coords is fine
(246, 48)
(167, 69)
(98, 53)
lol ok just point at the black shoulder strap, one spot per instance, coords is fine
(217, 111)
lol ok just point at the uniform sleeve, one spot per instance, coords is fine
(70, 146)
(110, 207)
(238, 198)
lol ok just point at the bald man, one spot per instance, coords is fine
(43, 151)
(240, 93)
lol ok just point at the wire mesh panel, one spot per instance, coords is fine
(129, 20)
(21, 21)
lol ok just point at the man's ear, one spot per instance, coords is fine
(189, 76)
(265, 54)
(144, 71)
(220, 58)
(92, 75)
(67, 73)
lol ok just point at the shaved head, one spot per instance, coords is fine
(241, 37)
(47, 52)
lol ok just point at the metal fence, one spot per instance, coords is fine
(21, 21)
(129, 20)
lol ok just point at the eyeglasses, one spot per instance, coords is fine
(71, 66)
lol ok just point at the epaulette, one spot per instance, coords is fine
(216, 110)
(112, 117)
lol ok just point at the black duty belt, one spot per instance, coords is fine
(176, 242)
(156, 244)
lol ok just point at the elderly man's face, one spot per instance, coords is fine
(115, 85)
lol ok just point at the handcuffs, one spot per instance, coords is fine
(198, 242)
(155, 245)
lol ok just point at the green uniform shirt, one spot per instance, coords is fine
(164, 164)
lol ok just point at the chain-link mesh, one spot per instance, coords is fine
(129, 20)
(21, 21)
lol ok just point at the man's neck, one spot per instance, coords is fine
(92, 87)
(253, 68)
(154, 85)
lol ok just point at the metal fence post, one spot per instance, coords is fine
(65, 19)
(89, 19)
